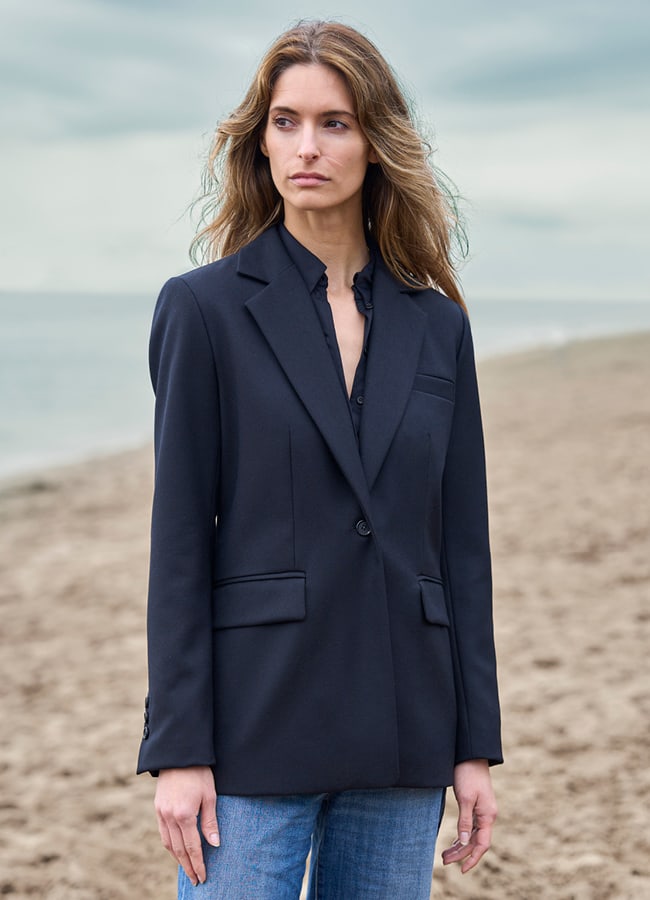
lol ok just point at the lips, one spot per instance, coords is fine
(308, 179)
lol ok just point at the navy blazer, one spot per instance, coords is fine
(319, 610)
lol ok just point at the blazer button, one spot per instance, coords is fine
(363, 528)
(145, 733)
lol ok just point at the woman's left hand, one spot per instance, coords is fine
(477, 812)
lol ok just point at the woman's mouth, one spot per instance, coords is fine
(308, 179)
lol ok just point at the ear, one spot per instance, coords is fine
(372, 155)
(263, 145)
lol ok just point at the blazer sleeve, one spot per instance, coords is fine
(467, 569)
(178, 711)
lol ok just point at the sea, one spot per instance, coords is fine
(74, 379)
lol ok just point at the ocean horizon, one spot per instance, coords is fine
(74, 380)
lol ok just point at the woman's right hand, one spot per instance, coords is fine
(181, 796)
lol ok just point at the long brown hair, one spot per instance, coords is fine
(407, 205)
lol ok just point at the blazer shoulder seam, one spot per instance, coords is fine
(197, 304)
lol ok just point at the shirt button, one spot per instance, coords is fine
(360, 400)
(363, 528)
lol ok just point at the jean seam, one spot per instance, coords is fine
(319, 831)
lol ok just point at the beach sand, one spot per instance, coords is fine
(568, 440)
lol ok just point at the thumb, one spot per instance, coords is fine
(209, 825)
(465, 821)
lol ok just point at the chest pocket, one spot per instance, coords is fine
(433, 384)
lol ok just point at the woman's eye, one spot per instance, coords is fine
(336, 124)
(282, 122)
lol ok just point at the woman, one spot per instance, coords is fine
(321, 657)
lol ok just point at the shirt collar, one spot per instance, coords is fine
(362, 282)
(313, 269)
(310, 266)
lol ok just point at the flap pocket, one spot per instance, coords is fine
(433, 602)
(432, 384)
(259, 600)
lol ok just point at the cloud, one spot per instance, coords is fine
(539, 111)
(588, 71)
(105, 214)
(89, 67)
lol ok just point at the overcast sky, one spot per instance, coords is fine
(540, 114)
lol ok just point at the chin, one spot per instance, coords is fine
(310, 205)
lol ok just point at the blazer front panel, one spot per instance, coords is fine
(311, 639)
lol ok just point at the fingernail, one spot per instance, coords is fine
(214, 839)
(464, 838)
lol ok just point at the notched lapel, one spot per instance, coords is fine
(285, 314)
(395, 342)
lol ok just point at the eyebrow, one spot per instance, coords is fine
(326, 112)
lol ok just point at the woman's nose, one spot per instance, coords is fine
(308, 146)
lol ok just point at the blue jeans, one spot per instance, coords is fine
(375, 844)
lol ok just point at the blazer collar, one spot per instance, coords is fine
(264, 258)
(398, 328)
(286, 316)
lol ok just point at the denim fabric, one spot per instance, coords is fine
(367, 844)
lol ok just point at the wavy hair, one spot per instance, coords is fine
(408, 206)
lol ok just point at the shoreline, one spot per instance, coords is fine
(57, 469)
(14, 478)
(567, 434)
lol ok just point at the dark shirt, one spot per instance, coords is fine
(313, 272)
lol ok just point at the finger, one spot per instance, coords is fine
(456, 852)
(465, 819)
(192, 846)
(481, 839)
(164, 835)
(209, 824)
(180, 854)
(480, 845)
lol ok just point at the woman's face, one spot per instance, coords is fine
(317, 152)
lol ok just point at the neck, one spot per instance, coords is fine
(339, 243)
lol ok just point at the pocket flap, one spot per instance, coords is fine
(433, 602)
(432, 384)
(259, 600)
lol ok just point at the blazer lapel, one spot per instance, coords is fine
(285, 314)
(398, 329)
